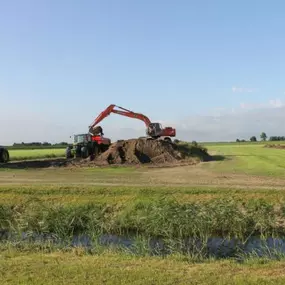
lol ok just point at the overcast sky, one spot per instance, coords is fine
(213, 69)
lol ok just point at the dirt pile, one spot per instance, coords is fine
(141, 151)
(129, 152)
(278, 146)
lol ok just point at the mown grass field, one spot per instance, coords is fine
(239, 195)
(249, 159)
(242, 143)
(26, 154)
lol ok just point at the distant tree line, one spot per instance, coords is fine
(263, 137)
(277, 138)
(38, 145)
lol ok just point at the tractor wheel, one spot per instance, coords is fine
(68, 153)
(4, 156)
(84, 152)
(78, 151)
(94, 151)
(103, 148)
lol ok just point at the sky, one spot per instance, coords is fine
(214, 70)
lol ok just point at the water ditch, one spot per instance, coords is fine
(215, 247)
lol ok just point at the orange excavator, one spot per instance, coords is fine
(153, 130)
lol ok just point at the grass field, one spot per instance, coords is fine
(242, 143)
(25, 154)
(247, 158)
(239, 195)
(77, 268)
(250, 159)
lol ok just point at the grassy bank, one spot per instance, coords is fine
(75, 268)
(123, 195)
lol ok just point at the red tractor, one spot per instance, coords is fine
(87, 145)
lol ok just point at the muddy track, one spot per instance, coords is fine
(277, 146)
(40, 163)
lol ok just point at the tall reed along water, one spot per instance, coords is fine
(220, 227)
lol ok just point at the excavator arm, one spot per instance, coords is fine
(153, 129)
(134, 115)
(122, 111)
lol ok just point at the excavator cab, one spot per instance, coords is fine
(154, 129)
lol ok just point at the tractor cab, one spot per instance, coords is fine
(81, 139)
(85, 145)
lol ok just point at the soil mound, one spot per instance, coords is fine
(278, 146)
(141, 151)
(134, 152)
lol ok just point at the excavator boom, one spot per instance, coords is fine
(153, 129)
(125, 112)
(102, 116)
(133, 115)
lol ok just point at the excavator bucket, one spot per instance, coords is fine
(96, 131)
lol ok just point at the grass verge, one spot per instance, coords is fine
(108, 268)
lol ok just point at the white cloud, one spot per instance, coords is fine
(242, 124)
(251, 106)
(274, 103)
(243, 90)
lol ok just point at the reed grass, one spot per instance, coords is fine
(160, 218)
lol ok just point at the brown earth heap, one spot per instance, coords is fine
(134, 151)
(278, 146)
(137, 151)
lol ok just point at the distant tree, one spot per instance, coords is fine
(263, 136)
(253, 139)
(194, 143)
(176, 141)
(237, 140)
(277, 138)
